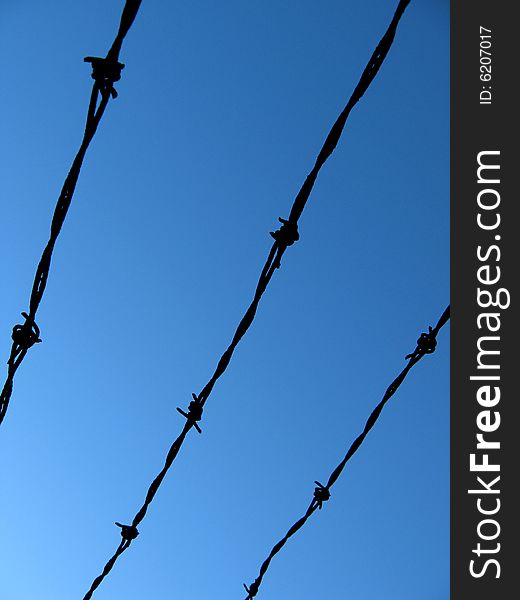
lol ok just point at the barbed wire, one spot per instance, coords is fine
(105, 72)
(426, 344)
(284, 237)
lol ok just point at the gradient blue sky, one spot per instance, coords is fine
(222, 108)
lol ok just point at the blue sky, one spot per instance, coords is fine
(222, 109)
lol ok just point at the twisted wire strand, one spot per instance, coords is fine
(105, 72)
(283, 238)
(425, 345)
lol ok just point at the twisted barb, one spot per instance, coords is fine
(252, 590)
(105, 72)
(426, 344)
(128, 532)
(24, 336)
(287, 234)
(194, 413)
(321, 494)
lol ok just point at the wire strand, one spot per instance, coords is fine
(425, 345)
(105, 72)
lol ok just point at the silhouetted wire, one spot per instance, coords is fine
(284, 237)
(105, 72)
(426, 344)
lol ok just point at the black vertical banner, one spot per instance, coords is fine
(485, 249)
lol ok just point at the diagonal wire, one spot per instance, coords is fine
(105, 71)
(426, 344)
(284, 237)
